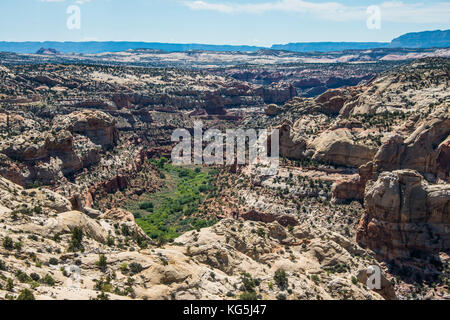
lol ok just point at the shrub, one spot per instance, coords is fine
(124, 267)
(37, 210)
(48, 280)
(147, 206)
(102, 296)
(53, 261)
(261, 232)
(280, 278)
(76, 240)
(9, 284)
(110, 241)
(135, 268)
(102, 262)
(125, 230)
(26, 294)
(249, 296)
(35, 277)
(22, 277)
(18, 246)
(248, 282)
(8, 243)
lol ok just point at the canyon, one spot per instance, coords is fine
(91, 206)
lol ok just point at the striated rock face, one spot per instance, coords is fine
(332, 101)
(291, 145)
(443, 160)
(34, 146)
(352, 189)
(46, 157)
(405, 216)
(284, 220)
(339, 147)
(277, 93)
(425, 150)
(96, 125)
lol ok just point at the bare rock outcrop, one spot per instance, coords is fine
(284, 220)
(205, 264)
(292, 145)
(443, 160)
(45, 157)
(405, 216)
(96, 125)
(339, 147)
(425, 150)
(118, 214)
(352, 189)
(273, 110)
(332, 101)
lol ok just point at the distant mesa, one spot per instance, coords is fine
(426, 39)
(423, 40)
(49, 51)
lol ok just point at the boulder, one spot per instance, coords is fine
(118, 214)
(67, 221)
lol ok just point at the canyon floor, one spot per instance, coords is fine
(91, 206)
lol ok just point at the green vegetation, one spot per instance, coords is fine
(281, 297)
(135, 268)
(48, 280)
(76, 240)
(248, 296)
(26, 294)
(338, 268)
(102, 262)
(172, 211)
(9, 284)
(8, 243)
(2, 266)
(281, 279)
(249, 285)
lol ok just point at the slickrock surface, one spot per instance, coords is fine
(200, 265)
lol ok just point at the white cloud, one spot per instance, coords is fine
(393, 11)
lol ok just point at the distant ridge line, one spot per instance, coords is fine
(423, 40)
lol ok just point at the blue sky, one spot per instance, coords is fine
(253, 22)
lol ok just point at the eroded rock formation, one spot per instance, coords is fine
(405, 216)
